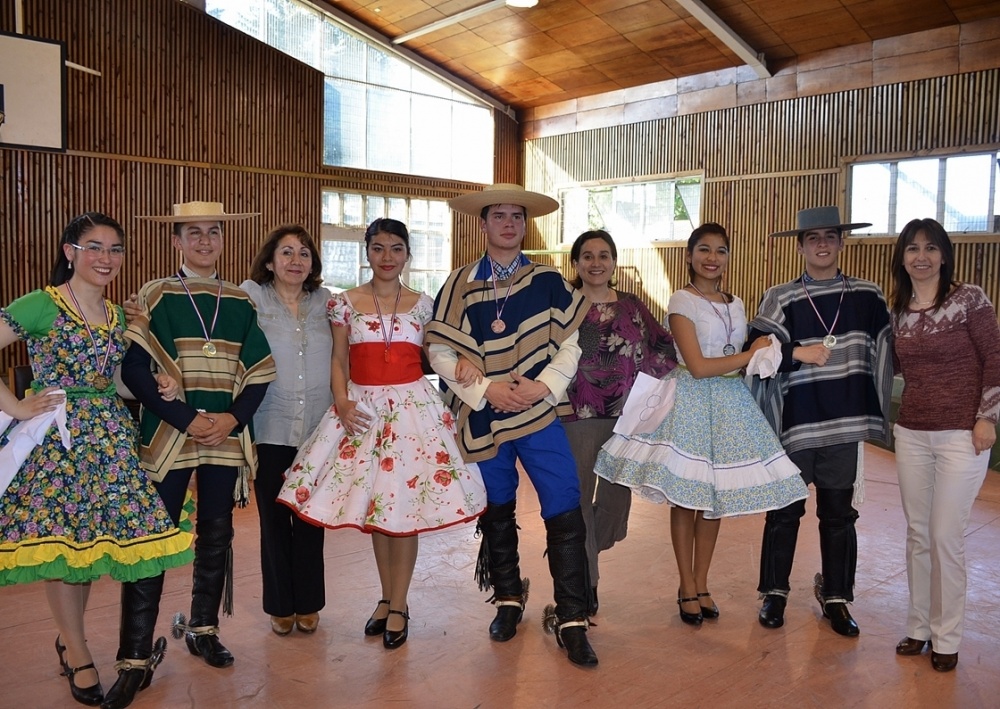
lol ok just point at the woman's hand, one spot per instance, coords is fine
(466, 373)
(984, 435)
(48, 399)
(167, 386)
(131, 308)
(354, 420)
(760, 343)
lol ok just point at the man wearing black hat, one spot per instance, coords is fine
(831, 393)
(517, 322)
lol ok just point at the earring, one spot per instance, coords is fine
(70, 265)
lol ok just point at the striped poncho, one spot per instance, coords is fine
(847, 399)
(541, 312)
(171, 332)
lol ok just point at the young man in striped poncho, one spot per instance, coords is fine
(516, 322)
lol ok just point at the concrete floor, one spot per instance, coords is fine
(648, 657)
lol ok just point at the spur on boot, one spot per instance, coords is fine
(840, 618)
(911, 646)
(282, 624)
(772, 611)
(133, 677)
(376, 626)
(689, 618)
(392, 639)
(711, 611)
(91, 696)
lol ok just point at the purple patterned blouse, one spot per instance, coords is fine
(618, 340)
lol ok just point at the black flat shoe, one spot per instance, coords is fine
(392, 639)
(772, 611)
(91, 696)
(689, 618)
(840, 619)
(711, 611)
(376, 626)
(943, 662)
(910, 646)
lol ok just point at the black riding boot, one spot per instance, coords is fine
(566, 537)
(838, 546)
(777, 552)
(212, 562)
(137, 656)
(498, 568)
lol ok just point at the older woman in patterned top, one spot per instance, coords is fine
(619, 338)
(947, 347)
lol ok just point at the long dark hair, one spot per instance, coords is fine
(902, 291)
(74, 231)
(574, 252)
(259, 272)
(697, 235)
(389, 226)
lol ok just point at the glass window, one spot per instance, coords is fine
(380, 111)
(635, 213)
(960, 191)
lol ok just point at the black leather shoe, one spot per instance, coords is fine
(394, 638)
(573, 637)
(711, 611)
(840, 619)
(91, 696)
(133, 677)
(772, 611)
(376, 626)
(689, 618)
(944, 662)
(210, 649)
(504, 625)
(909, 646)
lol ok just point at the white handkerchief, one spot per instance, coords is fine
(648, 403)
(766, 360)
(23, 438)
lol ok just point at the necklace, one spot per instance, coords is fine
(921, 302)
(730, 348)
(208, 348)
(98, 380)
(386, 335)
(499, 325)
(830, 339)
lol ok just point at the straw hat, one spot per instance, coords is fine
(199, 212)
(819, 218)
(534, 203)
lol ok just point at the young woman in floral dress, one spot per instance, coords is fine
(384, 458)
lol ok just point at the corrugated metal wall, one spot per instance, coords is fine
(764, 162)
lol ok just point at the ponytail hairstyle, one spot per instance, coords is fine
(62, 270)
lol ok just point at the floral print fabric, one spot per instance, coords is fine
(404, 474)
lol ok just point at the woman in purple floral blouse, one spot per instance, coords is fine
(619, 339)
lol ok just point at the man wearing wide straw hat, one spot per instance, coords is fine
(831, 394)
(203, 332)
(517, 322)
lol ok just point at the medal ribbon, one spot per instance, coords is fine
(218, 302)
(496, 295)
(386, 336)
(101, 366)
(729, 315)
(843, 289)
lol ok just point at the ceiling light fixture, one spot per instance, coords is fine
(462, 16)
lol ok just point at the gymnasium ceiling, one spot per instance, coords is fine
(565, 49)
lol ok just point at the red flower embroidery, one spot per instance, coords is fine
(443, 458)
(448, 420)
(371, 508)
(374, 326)
(347, 452)
(301, 494)
(344, 442)
(442, 478)
(387, 464)
(387, 431)
(412, 482)
(460, 511)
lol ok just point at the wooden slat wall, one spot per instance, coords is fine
(764, 162)
(187, 108)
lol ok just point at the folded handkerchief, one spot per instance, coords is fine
(766, 360)
(23, 438)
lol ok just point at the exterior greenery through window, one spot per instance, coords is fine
(345, 217)
(960, 191)
(634, 213)
(381, 112)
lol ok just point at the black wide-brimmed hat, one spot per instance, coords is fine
(819, 218)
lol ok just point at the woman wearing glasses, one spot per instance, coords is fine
(74, 505)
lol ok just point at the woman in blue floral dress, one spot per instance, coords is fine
(384, 459)
(76, 505)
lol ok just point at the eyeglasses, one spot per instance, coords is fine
(96, 250)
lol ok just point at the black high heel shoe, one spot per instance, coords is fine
(392, 639)
(690, 618)
(711, 611)
(376, 626)
(91, 696)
